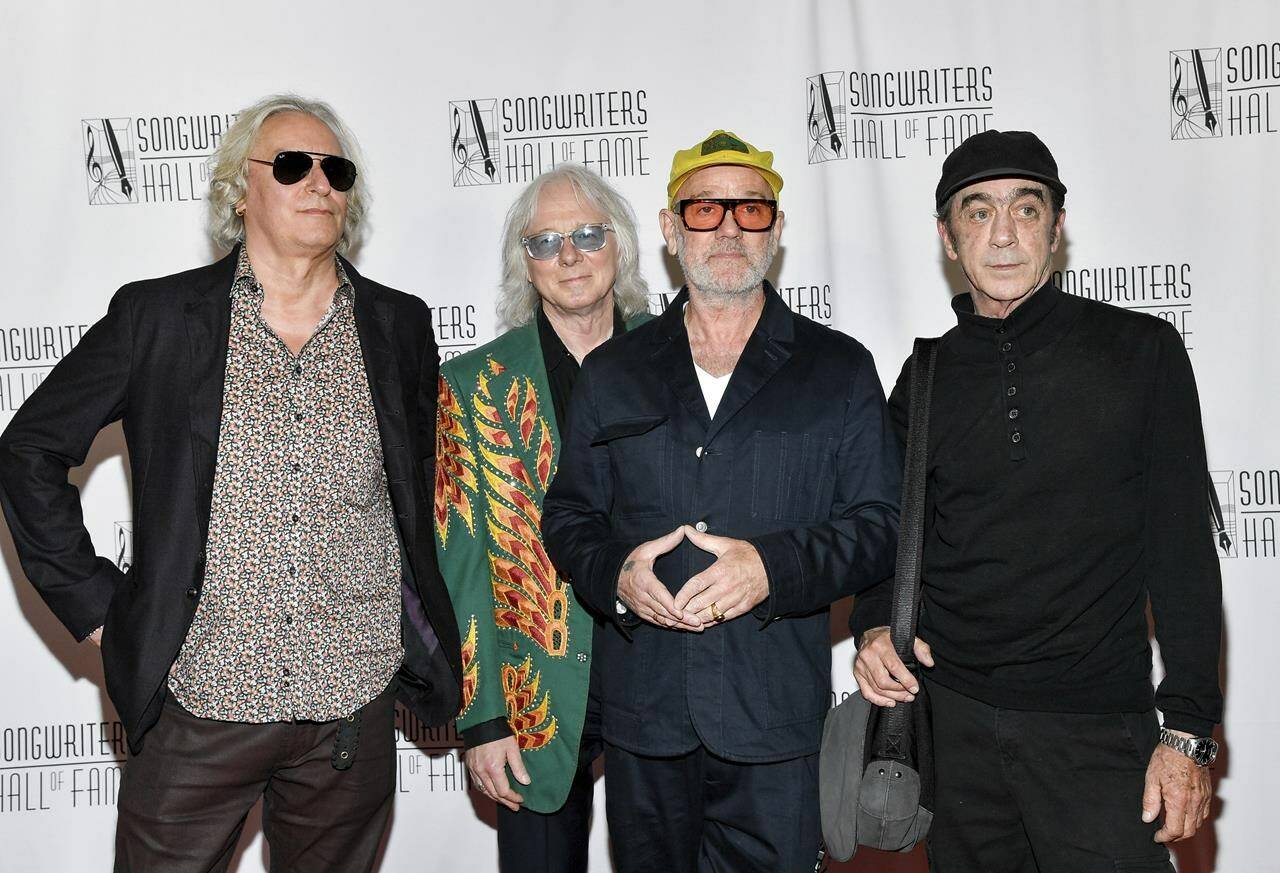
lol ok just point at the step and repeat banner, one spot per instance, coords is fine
(1164, 117)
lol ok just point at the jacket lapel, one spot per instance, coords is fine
(208, 320)
(767, 349)
(674, 362)
(374, 324)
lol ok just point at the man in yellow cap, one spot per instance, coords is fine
(728, 471)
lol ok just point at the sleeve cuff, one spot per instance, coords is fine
(610, 561)
(1194, 725)
(485, 732)
(784, 573)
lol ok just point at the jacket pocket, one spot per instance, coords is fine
(791, 475)
(640, 461)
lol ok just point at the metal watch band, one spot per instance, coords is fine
(1201, 750)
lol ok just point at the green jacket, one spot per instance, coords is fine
(526, 642)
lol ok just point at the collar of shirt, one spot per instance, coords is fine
(1039, 321)
(245, 282)
(554, 351)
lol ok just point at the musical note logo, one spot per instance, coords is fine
(474, 142)
(109, 160)
(459, 147)
(1222, 511)
(1195, 93)
(826, 117)
(124, 546)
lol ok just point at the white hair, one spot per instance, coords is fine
(517, 298)
(230, 163)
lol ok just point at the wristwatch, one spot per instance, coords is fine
(1202, 750)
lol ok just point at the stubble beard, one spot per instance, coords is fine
(699, 274)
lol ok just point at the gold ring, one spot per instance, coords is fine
(716, 615)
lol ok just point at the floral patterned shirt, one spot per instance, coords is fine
(299, 615)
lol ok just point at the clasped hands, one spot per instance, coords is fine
(732, 586)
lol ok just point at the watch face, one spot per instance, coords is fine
(1205, 751)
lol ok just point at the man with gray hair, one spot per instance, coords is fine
(571, 280)
(279, 410)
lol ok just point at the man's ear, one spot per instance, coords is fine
(1058, 224)
(670, 232)
(948, 245)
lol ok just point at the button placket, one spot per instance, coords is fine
(291, 601)
(1012, 384)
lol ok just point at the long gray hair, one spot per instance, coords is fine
(517, 298)
(230, 179)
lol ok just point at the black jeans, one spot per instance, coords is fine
(1040, 792)
(697, 813)
(184, 797)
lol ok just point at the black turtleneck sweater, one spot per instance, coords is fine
(1067, 486)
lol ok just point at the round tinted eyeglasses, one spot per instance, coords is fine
(545, 246)
(292, 167)
(750, 213)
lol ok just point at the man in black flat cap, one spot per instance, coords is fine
(1067, 489)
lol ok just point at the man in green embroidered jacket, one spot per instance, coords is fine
(570, 281)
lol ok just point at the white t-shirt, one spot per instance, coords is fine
(712, 388)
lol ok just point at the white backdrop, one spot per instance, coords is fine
(1169, 212)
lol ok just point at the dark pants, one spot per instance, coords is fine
(184, 797)
(701, 814)
(533, 842)
(1040, 792)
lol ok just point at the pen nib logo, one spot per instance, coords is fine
(825, 117)
(1195, 93)
(109, 160)
(473, 126)
(1222, 512)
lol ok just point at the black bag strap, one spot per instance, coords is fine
(906, 578)
(893, 726)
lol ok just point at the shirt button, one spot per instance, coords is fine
(288, 619)
(1015, 437)
(297, 468)
(1013, 413)
(286, 671)
(1000, 329)
(296, 518)
(1004, 347)
(1012, 391)
(698, 451)
(1012, 366)
(192, 592)
(297, 416)
(297, 369)
(700, 527)
(293, 571)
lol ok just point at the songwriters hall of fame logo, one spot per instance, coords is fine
(826, 118)
(473, 126)
(1195, 93)
(122, 545)
(1222, 512)
(109, 160)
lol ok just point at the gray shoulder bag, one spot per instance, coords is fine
(875, 770)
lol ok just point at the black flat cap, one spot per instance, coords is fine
(996, 154)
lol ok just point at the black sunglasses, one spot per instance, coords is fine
(289, 168)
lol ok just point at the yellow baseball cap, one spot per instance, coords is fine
(721, 147)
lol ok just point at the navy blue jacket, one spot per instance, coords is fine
(800, 460)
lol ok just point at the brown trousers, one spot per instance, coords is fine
(184, 798)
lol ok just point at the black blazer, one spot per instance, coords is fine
(800, 460)
(157, 360)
